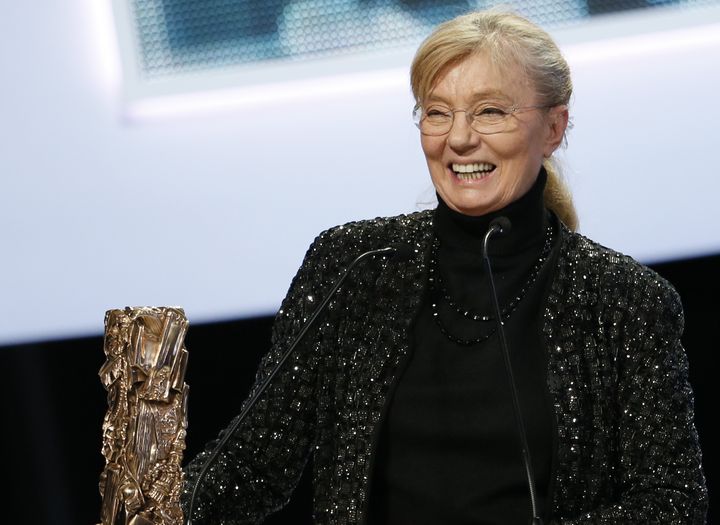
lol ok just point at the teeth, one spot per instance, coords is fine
(472, 176)
(473, 168)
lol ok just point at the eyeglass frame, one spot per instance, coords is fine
(508, 113)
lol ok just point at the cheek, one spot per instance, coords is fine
(509, 147)
(432, 147)
(519, 151)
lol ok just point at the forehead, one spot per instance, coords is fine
(478, 77)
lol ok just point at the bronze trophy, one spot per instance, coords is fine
(145, 424)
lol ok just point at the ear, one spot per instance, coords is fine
(556, 122)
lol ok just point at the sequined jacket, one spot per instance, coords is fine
(626, 448)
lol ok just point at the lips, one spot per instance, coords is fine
(473, 171)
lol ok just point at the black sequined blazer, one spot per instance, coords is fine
(626, 448)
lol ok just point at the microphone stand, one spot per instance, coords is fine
(500, 225)
(401, 250)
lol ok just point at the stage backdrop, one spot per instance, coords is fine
(192, 174)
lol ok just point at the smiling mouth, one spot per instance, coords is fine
(476, 171)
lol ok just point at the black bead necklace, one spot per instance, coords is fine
(439, 291)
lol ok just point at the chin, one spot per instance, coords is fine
(471, 206)
(474, 209)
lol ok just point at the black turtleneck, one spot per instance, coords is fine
(449, 451)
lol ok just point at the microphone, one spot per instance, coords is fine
(500, 225)
(503, 225)
(398, 251)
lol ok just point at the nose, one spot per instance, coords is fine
(461, 137)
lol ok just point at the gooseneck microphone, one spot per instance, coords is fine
(398, 251)
(502, 225)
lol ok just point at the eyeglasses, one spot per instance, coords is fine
(486, 118)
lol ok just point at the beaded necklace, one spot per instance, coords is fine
(439, 292)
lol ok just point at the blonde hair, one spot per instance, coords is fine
(508, 39)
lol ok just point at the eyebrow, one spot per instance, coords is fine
(478, 95)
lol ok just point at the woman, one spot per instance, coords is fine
(400, 394)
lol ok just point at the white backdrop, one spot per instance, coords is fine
(104, 203)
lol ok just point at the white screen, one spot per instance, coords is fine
(103, 205)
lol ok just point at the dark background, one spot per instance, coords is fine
(53, 404)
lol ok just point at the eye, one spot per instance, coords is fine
(435, 112)
(487, 110)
